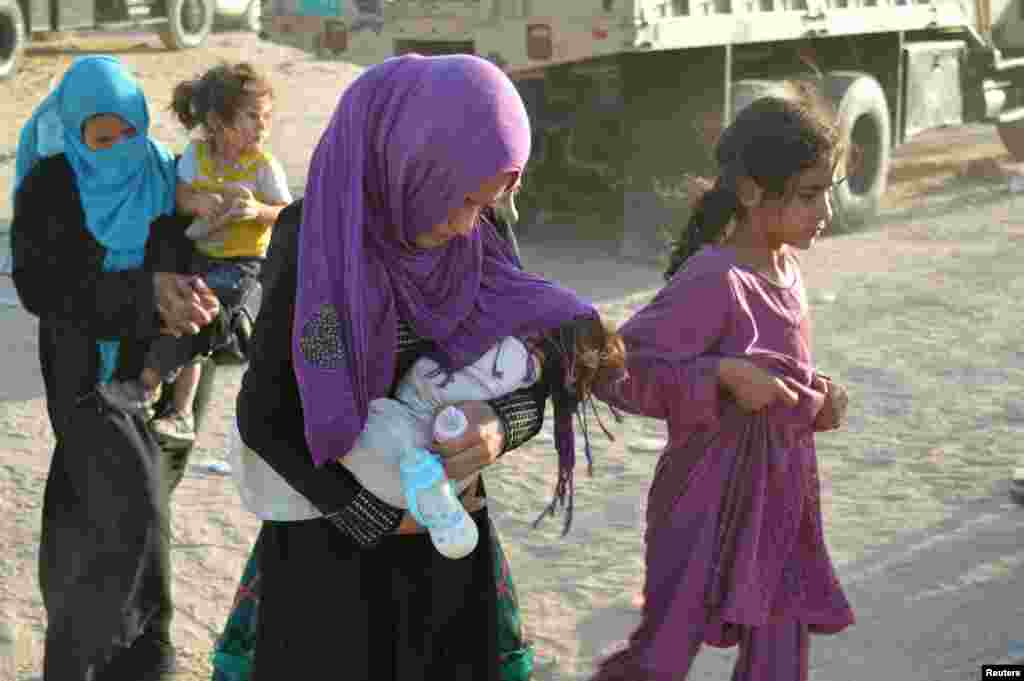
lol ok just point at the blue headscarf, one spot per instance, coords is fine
(124, 188)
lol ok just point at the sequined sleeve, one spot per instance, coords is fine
(366, 519)
(521, 414)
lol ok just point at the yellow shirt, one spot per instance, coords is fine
(257, 171)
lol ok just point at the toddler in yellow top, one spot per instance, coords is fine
(236, 190)
(256, 176)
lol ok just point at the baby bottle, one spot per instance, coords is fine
(433, 503)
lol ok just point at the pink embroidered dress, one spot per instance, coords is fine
(734, 520)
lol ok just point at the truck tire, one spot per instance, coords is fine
(12, 37)
(189, 22)
(864, 119)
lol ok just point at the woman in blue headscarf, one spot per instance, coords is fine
(83, 257)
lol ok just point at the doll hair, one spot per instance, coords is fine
(575, 356)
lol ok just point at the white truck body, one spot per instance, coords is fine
(627, 96)
(583, 29)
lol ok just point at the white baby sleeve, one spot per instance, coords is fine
(505, 368)
(391, 428)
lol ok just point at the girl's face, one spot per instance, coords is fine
(250, 129)
(801, 216)
(105, 130)
(463, 219)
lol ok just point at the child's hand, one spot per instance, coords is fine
(210, 206)
(217, 228)
(833, 413)
(752, 387)
(243, 205)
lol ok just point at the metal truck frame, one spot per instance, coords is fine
(182, 24)
(628, 96)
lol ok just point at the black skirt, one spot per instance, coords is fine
(103, 571)
(397, 612)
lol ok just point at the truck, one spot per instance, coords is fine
(181, 24)
(627, 97)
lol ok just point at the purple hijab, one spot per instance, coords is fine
(411, 137)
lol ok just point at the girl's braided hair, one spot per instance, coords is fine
(771, 141)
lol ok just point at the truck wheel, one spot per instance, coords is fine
(12, 37)
(188, 23)
(864, 119)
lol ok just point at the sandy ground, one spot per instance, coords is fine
(918, 317)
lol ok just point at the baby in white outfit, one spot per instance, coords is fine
(392, 426)
(395, 425)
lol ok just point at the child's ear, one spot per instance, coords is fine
(749, 192)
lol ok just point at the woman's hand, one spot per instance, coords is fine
(478, 447)
(752, 387)
(833, 413)
(471, 501)
(474, 450)
(185, 303)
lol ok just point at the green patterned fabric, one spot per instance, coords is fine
(233, 652)
(516, 654)
(232, 655)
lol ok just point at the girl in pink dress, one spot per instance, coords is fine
(734, 546)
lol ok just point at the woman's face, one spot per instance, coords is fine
(105, 130)
(463, 219)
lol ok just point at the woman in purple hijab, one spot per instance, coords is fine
(388, 258)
